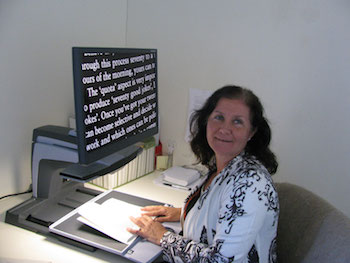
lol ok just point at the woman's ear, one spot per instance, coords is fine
(252, 133)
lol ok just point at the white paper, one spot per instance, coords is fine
(197, 100)
(111, 218)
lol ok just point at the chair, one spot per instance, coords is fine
(310, 229)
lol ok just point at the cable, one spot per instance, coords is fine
(25, 192)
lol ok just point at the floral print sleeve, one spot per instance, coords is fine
(176, 248)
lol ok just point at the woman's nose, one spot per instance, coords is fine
(226, 128)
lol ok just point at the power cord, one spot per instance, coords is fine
(25, 192)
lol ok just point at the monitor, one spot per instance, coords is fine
(115, 92)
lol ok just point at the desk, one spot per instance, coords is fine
(22, 245)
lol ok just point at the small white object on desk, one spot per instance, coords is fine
(180, 176)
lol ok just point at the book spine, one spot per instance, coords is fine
(141, 165)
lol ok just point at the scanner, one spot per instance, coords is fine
(58, 190)
(53, 150)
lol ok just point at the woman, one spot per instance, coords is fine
(233, 216)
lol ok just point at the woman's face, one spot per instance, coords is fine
(229, 129)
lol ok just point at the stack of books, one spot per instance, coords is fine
(143, 164)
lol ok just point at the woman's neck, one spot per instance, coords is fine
(220, 165)
(223, 161)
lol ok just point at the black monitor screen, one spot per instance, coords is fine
(115, 92)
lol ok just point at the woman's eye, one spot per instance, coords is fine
(238, 121)
(219, 117)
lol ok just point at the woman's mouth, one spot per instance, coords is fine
(223, 140)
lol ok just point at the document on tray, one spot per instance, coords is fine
(111, 218)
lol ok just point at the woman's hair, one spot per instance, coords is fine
(257, 146)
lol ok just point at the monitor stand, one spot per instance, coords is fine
(85, 173)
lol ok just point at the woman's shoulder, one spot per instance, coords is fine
(247, 169)
(247, 178)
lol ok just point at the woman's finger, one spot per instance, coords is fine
(153, 210)
(137, 221)
(141, 221)
(150, 208)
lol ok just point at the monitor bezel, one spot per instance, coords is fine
(107, 150)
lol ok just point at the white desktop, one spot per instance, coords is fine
(19, 245)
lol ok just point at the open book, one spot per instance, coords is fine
(111, 218)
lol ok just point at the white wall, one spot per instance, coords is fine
(36, 85)
(293, 54)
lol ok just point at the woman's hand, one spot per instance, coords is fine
(162, 213)
(148, 229)
(152, 229)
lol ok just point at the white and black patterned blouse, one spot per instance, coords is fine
(233, 220)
